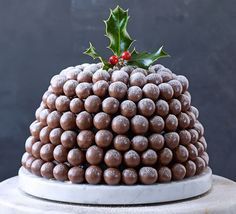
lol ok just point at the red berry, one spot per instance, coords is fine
(114, 60)
(126, 55)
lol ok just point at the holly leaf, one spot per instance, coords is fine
(145, 59)
(91, 51)
(116, 25)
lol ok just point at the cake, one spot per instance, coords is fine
(123, 121)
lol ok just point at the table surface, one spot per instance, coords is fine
(220, 199)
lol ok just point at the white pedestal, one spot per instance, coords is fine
(220, 199)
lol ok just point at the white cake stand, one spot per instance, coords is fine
(114, 195)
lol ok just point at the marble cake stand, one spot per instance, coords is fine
(114, 195)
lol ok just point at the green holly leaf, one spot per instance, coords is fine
(116, 24)
(91, 51)
(145, 59)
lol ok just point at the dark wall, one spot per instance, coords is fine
(39, 38)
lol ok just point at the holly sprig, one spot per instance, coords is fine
(121, 42)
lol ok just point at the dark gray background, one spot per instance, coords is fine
(39, 38)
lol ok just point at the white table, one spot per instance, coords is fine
(220, 199)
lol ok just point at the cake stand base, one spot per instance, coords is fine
(114, 195)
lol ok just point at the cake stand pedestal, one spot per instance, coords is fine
(220, 199)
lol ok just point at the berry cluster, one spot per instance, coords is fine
(126, 55)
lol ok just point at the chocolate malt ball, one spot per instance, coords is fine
(121, 76)
(128, 108)
(29, 162)
(72, 73)
(166, 91)
(92, 104)
(128, 69)
(53, 119)
(84, 120)
(36, 166)
(192, 119)
(131, 158)
(103, 138)
(45, 96)
(134, 93)
(156, 141)
(75, 157)
(67, 121)
(60, 172)
(129, 176)
(200, 165)
(110, 105)
(76, 175)
(117, 90)
(62, 103)
(156, 124)
(164, 174)
(51, 100)
(121, 143)
(202, 140)
(178, 171)
(177, 87)
(148, 175)
(205, 157)
(193, 152)
(36, 149)
(174, 106)
(55, 136)
(60, 153)
(171, 139)
(195, 111)
(151, 91)
(162, 108)
(69, 88)
(139, 143)
(57, 83)
(149, 157)
(166, 76)
(35, 129)
(154, 78)
(113, 158)
(101, 75)
(93, 175)
(139, 124)
(29, 143)
(43, 116)
(165, 156)
(185, 102)
(85, 76)
(112, 176)
(38, 111)
(200, 148)
(146, 107)
(139, 70)
(137, 79)
(191, 168)
(184, 82)
(94, 155)
(171, 123)
(47, 170)
(120, 124)
(184, 137)
(100, 88)
(83, 90)
(68, 139)
(46, 152)
(44, 134)
(181, 154)
(76, 105)
(85, 139)
(194, 135)
(199, 128)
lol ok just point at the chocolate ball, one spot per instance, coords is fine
(35, 129)
(101, 75)
(176, 86)
(202, 140)
(128, 108)
(62, 103)
(129, 176)
(184, 82)
(154, 78)
(151, 91)
(139, 70)
(67, 121)
(156, 141)
(165, 74)
(193, 152)
(84, 120)
(165, 156)
(164, 174)
(128, 69)
(192, 119)
(57, 83)
(93, 175)
(55, 136)
(171, 123)
(120, 124)
(139, 143)
(137, 79)
(205, 157)
(199, 128)
(174, 106)
(200, 165)
(146, 107)
(51, 101)
(72, 73)
(94, 155)
(36, 149)
(76, 105)
(139, 124)
(43, 116)
(60, 172)
(103, 138)
(131, 158)
(184, 137)
(53, 119)
(36, 166)
(191, 168)
(85, 139)
(117, 90)
(68, 139)
(92, 104)
(110, 105)
(46, 152)
(69, 88)
(113, 158)
(121, 143)
(181, 154)
(44, 134)
(185, 102)
(149, 157)
(134, 93)
(83, 90)
(24, 158)
(75, 157)
(121, 76)
(29, 162)
(195, 111)
(47, 170)
(157, 124)
(85, 76)
(38, 111)
(200, 148)
(148, 175)
(60, 153)
(166, 91)
(29, 143)
(45, 96)
(112, 176)
(178, 171)
(101, 120)
(76, 175)
(171, 139)
(162, 108)
(194, 135)
(100, 88)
